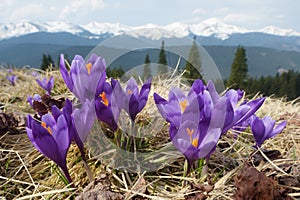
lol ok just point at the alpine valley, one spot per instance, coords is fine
(268, 49)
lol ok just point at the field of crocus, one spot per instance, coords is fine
(74, 134)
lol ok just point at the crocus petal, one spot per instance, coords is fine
(144, 93)
(133, 107)
(46, 143)
(209, 143)
(233, 96)
(269, 125)
(190, 152)
(192, 112)
(160, 103)
(254, 106)
(278, 129)
(117, 99)
(258, 130)
(229, 116)
(62, 136)
(84, 119)
(109, 102)
(197, 87)
(80, 79)
(218, 114)
(49, 121)
(30, 100)
(65, 74)
(169, 110)
(132, 87)
(50, 84)
(213, 92)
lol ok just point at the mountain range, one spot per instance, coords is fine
(268, 48)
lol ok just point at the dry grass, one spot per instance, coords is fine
(27, 174)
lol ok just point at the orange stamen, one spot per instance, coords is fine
(129, 91)
(104, 99)
(89, 67)
(189, 131)
(195, 142)
(47, 128)
(183, 104)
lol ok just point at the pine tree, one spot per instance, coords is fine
(146, 68)
(162, 60)
(47, 62)
(193, 65)
(239, 69)
(116, 72)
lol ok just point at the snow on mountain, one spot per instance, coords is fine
(14, 30)
(210, 27)
(273, 30)
(22, 28)
(54, 27)
(102, 28)
(214, 26)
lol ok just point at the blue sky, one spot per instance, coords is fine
(252, 14)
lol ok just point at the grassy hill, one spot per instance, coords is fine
(26, 173)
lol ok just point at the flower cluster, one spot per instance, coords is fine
(197, 120)
(55, 131)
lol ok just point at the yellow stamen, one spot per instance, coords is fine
(47, 128)
(195, 142)
(129, 91)
(104, 99)
(183, 104)
(89, 67)
(189, 131)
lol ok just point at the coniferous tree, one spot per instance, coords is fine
(239, 69)
(193, 65)
(116, 72)
(47, 62)
(162, 60)
(146, 68)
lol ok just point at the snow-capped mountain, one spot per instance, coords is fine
(209, 27)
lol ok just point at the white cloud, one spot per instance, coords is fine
(80, 8)
(30, 10)
(199, 11)
(242, 18)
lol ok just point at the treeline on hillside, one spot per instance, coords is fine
(285, 84)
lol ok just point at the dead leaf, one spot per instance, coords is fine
(254, 185)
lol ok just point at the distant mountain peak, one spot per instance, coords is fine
(209, 27)
(273, 30)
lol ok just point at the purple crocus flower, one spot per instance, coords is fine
(264, 129)
(198, 138)
(51, 137)
(35, 97)
(83, 77)
(46, 84)
(12, 79)
(34, 74)
(79, 121)
(108, 102)
(135, 101)
(235, 114)
(173, 108)
(195, 122)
